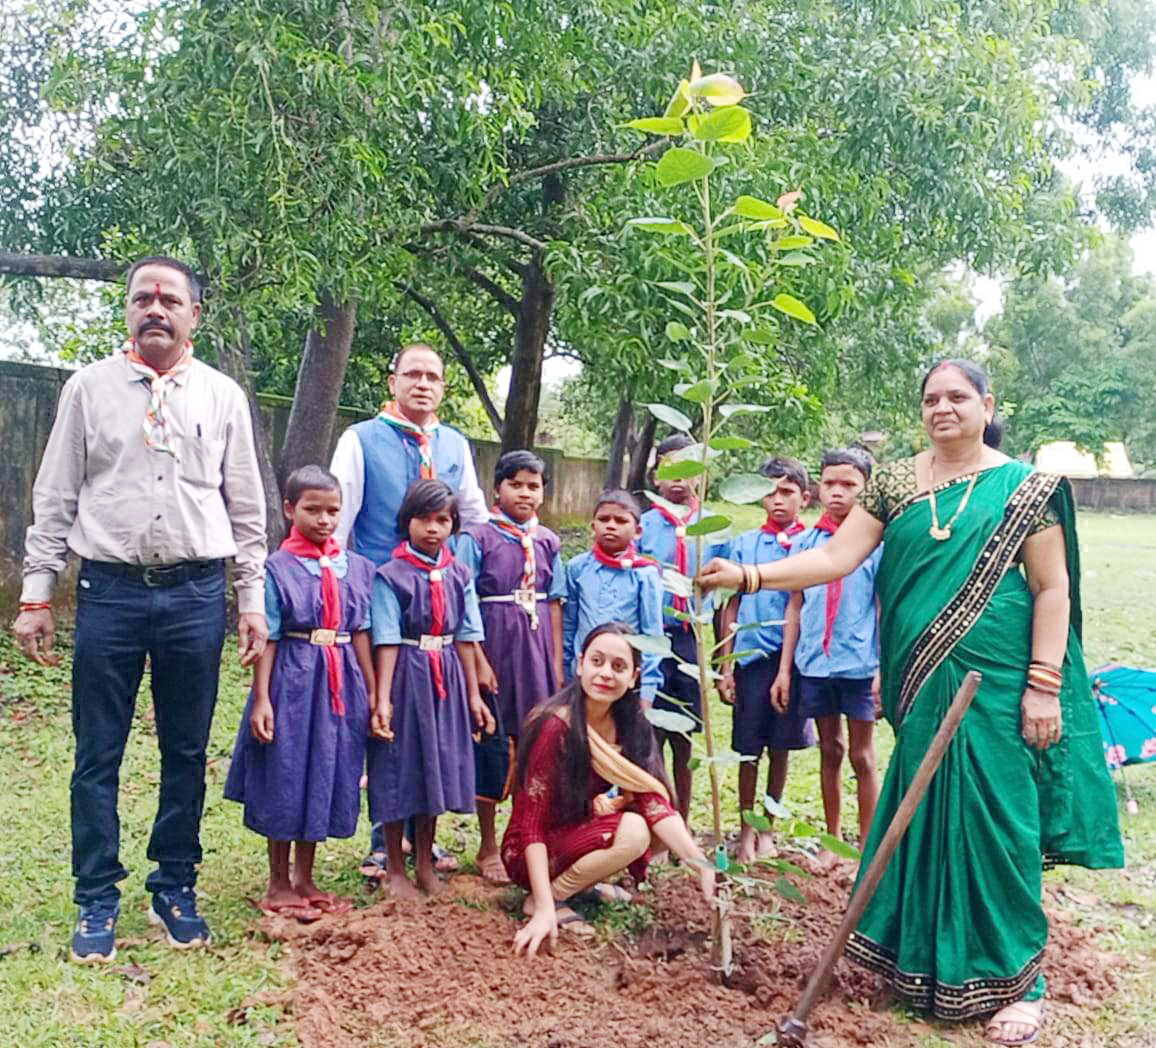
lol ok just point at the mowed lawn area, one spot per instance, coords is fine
(154, 997)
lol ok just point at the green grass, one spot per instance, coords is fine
(46, 1001)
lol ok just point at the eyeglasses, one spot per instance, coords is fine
(432, 377)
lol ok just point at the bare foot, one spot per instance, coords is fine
(1016, 1023)
(326, 902)
(766, 848)
(747, 851)
(428, 881)
(492, 868)
(287, 903)
(398, 885)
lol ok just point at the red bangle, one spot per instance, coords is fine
(36, 605)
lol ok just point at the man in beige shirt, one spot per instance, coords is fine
(150, 477)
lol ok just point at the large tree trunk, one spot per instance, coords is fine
(640, 454)
(234, 357)
(530, 331)
(619, 441)
(309, 432)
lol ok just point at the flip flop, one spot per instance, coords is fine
(603, 892)
(327, 902)
(1022, 1013)
(373, 866)
(571, 921)
(294, 911)
(444, 862)
(493, 869)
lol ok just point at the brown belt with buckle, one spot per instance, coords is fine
(322, 638)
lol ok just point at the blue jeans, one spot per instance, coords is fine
(120, 621)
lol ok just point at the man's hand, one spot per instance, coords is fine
(35, 632)
(252, 635)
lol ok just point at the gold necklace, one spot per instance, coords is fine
(941, 534)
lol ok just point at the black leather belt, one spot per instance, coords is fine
(156, 576)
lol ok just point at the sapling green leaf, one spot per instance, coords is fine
(753, 207)
(817, 228)
(728, 124)
(746, 487)
(757, 821)
(838, 846)
(709, 525)
(699, 392)
(651, 645)
(671, 416)
(679, 470)
(657, 125)
(731, 443)
(788, 891)
(668, 720)
(775, 807)
(660, 224)
(679, 164)
(677, 331)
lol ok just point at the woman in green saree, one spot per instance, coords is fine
(957, 926)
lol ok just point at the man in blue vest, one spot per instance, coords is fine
(377, 460)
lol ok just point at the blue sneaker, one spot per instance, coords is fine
(176, 912)
(94, 941)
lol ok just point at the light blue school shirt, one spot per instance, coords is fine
(855, 638)
(313, 566)
(767, 605)
(596, 594)
(467, 550)
(658, 541)
(385, 612)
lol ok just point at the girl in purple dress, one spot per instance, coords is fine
(426, 626)
(301, 745)
(521, 584)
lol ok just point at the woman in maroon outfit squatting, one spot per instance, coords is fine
(564, 840)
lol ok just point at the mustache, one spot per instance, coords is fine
(154, 325)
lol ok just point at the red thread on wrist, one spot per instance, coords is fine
(36, 605)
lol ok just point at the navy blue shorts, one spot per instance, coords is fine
(679, 692)
(832, 696)
(757, 726)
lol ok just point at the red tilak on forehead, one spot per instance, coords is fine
(158, 289)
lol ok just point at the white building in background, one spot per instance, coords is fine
(1063, 457)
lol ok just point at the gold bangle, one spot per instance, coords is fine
(754, 580)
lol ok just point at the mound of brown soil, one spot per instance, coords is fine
(442, 972)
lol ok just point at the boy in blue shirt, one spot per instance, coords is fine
(766, 715)
(832, 637)
(614, 583)
(664, 538)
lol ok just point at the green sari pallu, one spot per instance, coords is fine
(956, 926)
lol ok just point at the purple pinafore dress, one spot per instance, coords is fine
(522, 657)
(305, 784)
(428, 768)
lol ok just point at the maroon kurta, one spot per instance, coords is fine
(534, 820)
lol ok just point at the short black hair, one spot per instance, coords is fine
(512, 463)
(675, 442)
(620, 497)
(787, 468)
(309, 478)
(196, 284)
(425, 497)
(414, 345)
(847, 457)
(977, 376)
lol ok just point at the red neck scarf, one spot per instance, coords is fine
(627, 559)
(783, 532)
(300, 546)
(437, 591)
(834, 588)
(523, 534)
(392, 414)
(681, 555)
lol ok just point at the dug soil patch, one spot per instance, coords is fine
(436, 973)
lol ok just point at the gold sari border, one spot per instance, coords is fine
(950, 626)
(953, 1003)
